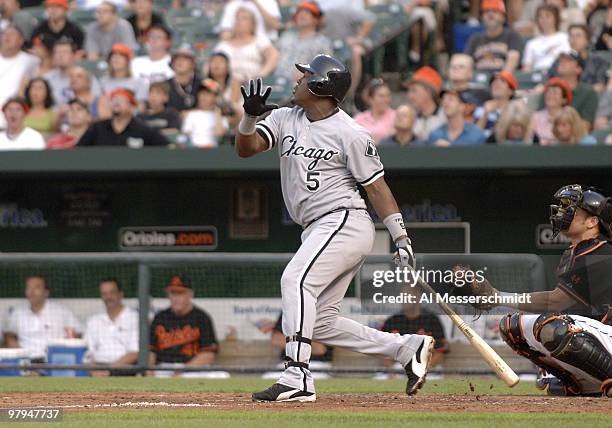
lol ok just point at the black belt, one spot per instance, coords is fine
(331, 212)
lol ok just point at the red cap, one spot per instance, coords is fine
(507, 77)
(494, 5)
(311, 7)
(60, 3)
(567, 91)
(211, 86)
(19, 100)
(429, 77)
(122, 49)
(121, 92)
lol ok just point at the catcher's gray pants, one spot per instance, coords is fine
(313, 285)
(602, 332)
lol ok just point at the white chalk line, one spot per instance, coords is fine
(127, 404)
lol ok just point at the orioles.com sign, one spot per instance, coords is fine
(168, 238)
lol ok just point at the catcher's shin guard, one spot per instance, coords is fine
(510, 328)
(570, 344)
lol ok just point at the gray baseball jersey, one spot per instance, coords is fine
(321, 162)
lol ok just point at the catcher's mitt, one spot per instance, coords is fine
(469, 285)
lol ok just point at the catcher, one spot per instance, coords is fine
(571, 341)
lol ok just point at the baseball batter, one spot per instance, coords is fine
(324, 155)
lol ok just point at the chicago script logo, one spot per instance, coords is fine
(309, 153)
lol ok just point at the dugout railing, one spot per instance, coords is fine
(247, 276)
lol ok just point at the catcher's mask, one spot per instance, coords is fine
(576, 196)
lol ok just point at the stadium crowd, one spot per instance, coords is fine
(168, 73)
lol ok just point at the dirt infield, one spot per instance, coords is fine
(80, 402)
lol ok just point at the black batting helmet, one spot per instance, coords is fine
(330, 78)
(577, 196)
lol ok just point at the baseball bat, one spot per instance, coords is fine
(499, 366)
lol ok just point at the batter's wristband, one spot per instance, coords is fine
(247, 124)
(395, 225)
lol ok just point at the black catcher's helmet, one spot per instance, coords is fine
(577, 196)
(330, 78)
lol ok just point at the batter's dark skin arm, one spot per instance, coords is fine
(249, 145)
(382, 199)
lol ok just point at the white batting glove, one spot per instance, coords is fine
(404, 256)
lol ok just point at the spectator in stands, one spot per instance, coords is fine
(568, 15)
(143, 19)
(183, 333)
(250, 55)
(498, 48)
(112, 336)
(379, 118)
(31, 326)
(413, 319)
(568, 128)
(39, 99)
(303, 43)
(585, 99)
(421, 21)
(64, 59)
(513, 126)
(218, 69)
(457, 131)
(108, 29)
(503, 86)
(15, 64)
(541, 51)
(351, 25)
(57, 26)
(78, 120)
(93, 4)
(42, 49)
(155, 66)
(595, 68)
(158, 115)
(403, 135)
(603, 117)
(423, 94)
(122, 129)
(17, 136)
(120, 74)
(185, 82)
(11, 13)
(604, 40)
(557, 94)
(81, 87)
(205, 125)
(460, 74)
(266, 14)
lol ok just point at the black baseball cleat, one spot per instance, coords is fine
(417, 367)
(279, 392)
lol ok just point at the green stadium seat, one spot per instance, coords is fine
(179, 139)
(96, 67)
(281, 88)
(607, 55)
(601, 135)
(82, 17)
(530, 80)
(37, 12)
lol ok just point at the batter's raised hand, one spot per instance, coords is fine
(255, 100)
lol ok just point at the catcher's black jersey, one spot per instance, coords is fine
(585, 274)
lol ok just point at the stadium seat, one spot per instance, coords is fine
(607, 55)
(96, 67)
(529, 80)
(37, 12)
(82, 17)
(179, 139)
(601, 134)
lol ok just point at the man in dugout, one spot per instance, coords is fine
(571, 339)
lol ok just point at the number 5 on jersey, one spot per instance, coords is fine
(313, 180)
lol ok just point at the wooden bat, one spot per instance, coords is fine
(499, 366)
